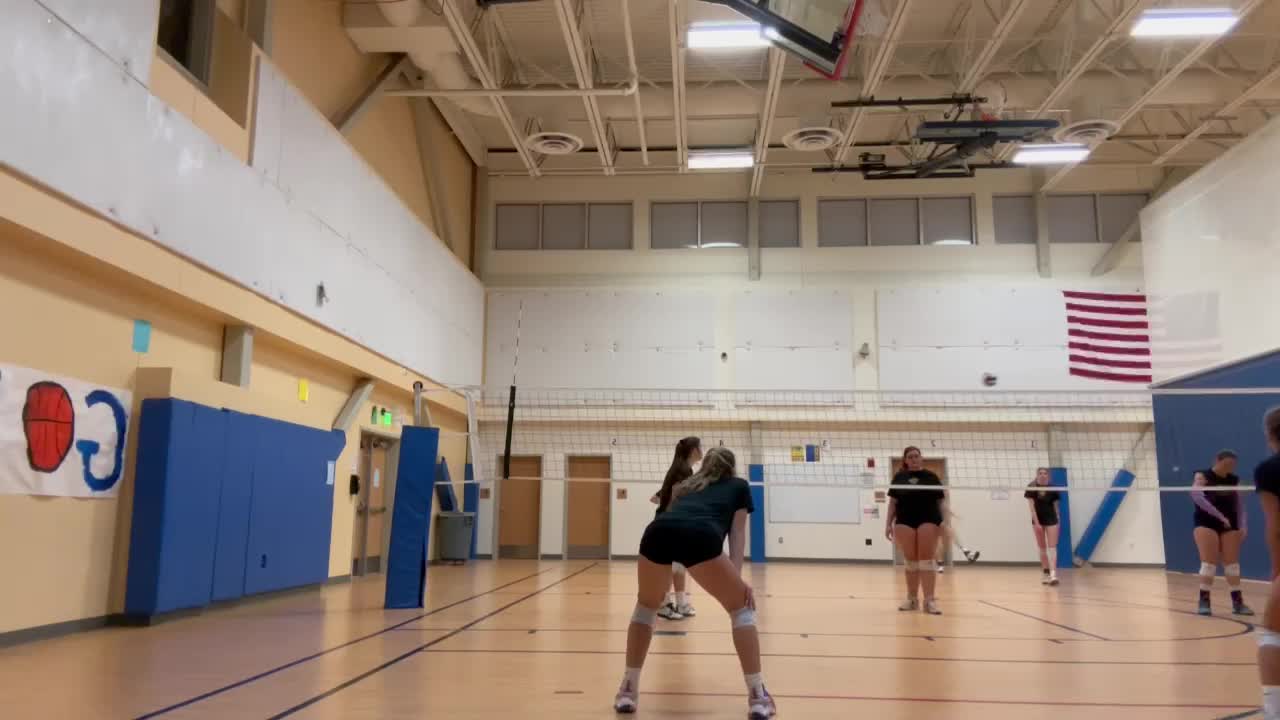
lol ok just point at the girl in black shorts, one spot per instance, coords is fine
(688, 453)
(707, 507)
(1267, 479)
(1219, 530)
(1044, 524)
(912, 522)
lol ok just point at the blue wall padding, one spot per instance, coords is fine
(411, 518)
(444, 488)
(1103, 516)
(214, 491)
(755, 474)
(1190, 430)
(471, 501)
(1058, 478)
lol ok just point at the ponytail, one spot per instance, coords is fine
(679, 471)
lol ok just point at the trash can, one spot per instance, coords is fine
(455, 536)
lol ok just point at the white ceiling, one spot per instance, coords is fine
(1071, 59)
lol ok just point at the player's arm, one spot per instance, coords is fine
(1202, 502)
(1031, 505)
(738, 539)
(655, 499)
(890, 515)
(1271, 510)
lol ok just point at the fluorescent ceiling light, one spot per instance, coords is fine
(1051, 154)
(954, 241)
(1185, 22)
(724, 36)
(720, 159)
(719, 245)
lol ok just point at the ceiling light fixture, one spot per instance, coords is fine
(726, 36)
(720, 159)
(951, 241)
(1185, 22)
(1051, 154)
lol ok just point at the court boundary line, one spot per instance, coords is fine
(419, 649)
(294, 663)
(970, 701)
(895, 658)
(1045, 621)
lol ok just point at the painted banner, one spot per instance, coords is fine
(60, 436)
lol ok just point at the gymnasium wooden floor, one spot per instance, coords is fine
(545, 639)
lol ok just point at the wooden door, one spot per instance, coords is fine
(520, 509)
(588, 507)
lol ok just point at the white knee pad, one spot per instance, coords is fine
(677, 568)
(746, 617)
(911, 565)
(1268, 638)
(1208, 569)
(1232, 570)
(644, 616)
(929, 565)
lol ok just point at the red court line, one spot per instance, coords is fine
(970, 701)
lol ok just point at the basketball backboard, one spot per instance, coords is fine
(819, 32)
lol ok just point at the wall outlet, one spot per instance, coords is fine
(868, 542)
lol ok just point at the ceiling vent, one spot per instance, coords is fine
(811, 139)
(553, 143)
(1086, 132)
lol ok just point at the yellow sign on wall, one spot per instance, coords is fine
(797, 453)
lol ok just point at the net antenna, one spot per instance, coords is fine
(819, 32)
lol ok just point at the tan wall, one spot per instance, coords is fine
(72, 559)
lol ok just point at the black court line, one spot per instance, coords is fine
(405, 656)
(1040, 619)
(931, 638)
(806, 656)
(326, 651)
(966, 701)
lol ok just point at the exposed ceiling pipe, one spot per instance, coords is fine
(764, 128)
(585, 75)
(674, 22)
(630, 90)
(874, 75)
(975, 72)
(635, 75)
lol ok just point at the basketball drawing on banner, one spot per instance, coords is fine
(60, 436)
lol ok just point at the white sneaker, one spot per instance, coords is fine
(931, 607)
(760, 706)
(1053, 579)
(669, 612)
(942, 569)
(627, 699)
(1044, 578)
(911, 605)
(686, 610)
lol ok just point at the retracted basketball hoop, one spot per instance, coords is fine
(819, 32)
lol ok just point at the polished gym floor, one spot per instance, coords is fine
(527, 639)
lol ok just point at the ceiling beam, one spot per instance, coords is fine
(764, 128)
(1225, 111)
(347, 119)
(470, 50)
(1119, 248)
(635, 75)
(1082, 64)
(874, 75)
(585, 74)
(978, 68)
(1191, 58)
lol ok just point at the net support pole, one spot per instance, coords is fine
(1058, 478)
(1109, 506)
(755, 474)
(506, 445)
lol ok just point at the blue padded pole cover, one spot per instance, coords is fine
(411, 518)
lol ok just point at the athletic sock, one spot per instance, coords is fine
(1237, 597)
(682, 599)
(631, 679)
(755, 682)
(1271, 702)
(1204, 595)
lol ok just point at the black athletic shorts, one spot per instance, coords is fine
(682, 541)
(915, 521)
(1205, 520)
(1043, 524)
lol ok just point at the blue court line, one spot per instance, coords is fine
(313, 656)
(1240, 716)
(405, 656)
(1047, 622)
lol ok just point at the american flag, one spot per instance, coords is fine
(1108, 336)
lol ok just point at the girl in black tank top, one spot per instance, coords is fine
(688, 454)
(1219, 530)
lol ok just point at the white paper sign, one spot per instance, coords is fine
(330, 470)
(377, 478)
(60, 436)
